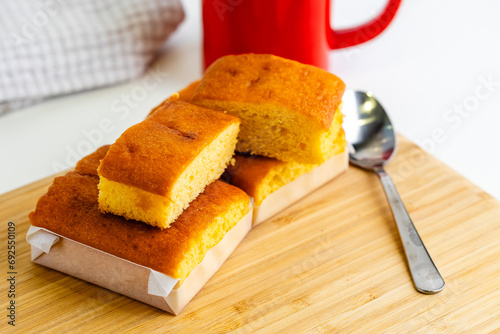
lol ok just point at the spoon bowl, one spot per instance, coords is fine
(368, 129)
(373, 144)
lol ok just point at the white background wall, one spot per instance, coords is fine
(429, 69)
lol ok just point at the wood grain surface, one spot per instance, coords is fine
(330, 263)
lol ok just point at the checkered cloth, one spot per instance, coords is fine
(55, 47)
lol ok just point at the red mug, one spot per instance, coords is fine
(293, 29)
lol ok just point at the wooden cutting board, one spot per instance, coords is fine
(332, 262)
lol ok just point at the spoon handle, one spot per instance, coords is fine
(426, 277)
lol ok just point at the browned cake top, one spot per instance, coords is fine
(249, 170)
(70, 209)
(88, 165)
(268, 79)
(151, 155)
(185, 95)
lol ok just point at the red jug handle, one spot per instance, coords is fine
(338, 39)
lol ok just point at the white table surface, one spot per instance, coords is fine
(428, 68)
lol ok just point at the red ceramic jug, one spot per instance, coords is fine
(294, 29)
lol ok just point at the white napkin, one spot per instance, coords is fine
(54, 47)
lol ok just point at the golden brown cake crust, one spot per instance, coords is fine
(184, 95)
(70, 209)
(248, 171)
(268, 79)
(151, 155)
(88, 165)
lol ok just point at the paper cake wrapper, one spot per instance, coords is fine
(301, 187)
(130, 279)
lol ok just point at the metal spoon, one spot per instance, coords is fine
(370, 132)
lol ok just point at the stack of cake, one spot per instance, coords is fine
(291, 140)
(147, 216)
(160, 171)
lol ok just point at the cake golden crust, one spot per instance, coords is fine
(187, 92)
(88, 165)
(184, 95)
(152, 155)
(268, 79)
(70, 209)
(249, 171)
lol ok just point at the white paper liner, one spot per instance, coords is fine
(304, 185)
(40, 241)
(128, 278)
